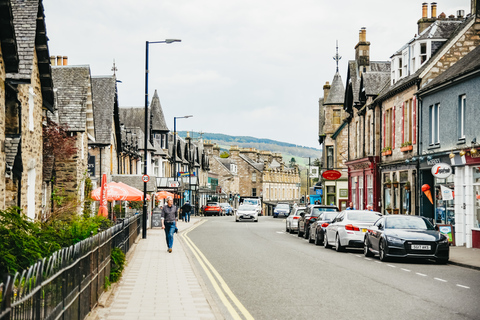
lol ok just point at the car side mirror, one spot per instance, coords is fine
(436, 227)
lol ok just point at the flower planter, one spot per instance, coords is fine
(395, 211)
(388, 185)
(389, 210)
(387, 153)
(395, 184)
(406, 148)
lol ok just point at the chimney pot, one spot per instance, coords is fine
(424, 10)
(65, 60)
(52, 60)
(363, 35)
(59, 60)
(434, 9)
(460, 13)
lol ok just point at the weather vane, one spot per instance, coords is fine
(337, 57)
(114, 68)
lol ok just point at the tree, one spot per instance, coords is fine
(224, 154)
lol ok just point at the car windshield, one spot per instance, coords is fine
(212, 204)
(402, 222)
(283, 206)
(329, 215)
(317, 211)
(367, 216)
(299, 211)
(247, 208)
(250, 201)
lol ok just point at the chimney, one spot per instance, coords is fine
(59, 60)
(65, 60)
(52, 60)
(216, 150)
(234, 151)
(424, 10)
(460, 14)
(434, 10)
(326, 91)
(362, 50)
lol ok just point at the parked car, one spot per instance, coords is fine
(291, 223)
(212, 209)
(310, 215)
(226, 208)
(348, 228)
(317, 229)
(281, 209)
(255, 202)
(405, 236)
(246, 212)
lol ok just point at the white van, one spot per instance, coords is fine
(254, 202)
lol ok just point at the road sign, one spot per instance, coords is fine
(145, 178)
(173, 184)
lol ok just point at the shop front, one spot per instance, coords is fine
(363, 183)
(399, 189)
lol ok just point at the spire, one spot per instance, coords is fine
(337, 57)
(158, 119)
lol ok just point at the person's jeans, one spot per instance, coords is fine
(187, 216)
(169, 231)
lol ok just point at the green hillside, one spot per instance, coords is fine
(288, 150)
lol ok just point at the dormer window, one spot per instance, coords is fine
(400, 63)
(423, 52)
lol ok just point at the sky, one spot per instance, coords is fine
(244, 67)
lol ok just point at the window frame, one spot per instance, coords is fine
(462, 102)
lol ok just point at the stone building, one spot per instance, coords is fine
(365, 80)
(27, 86)
(333, 139)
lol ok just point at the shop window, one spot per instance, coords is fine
(370, 190)
(444, 209)
(476, 193)
(331, 195)
(434, 119)
(360, 194)
(354, 191)
(461, 117)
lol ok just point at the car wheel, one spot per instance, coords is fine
(325, 242)
(299, 234)
(338, 245)
(381, 251)
(286, 228)
(442, 260)
(305, 233)
(366, 248)
(317, 241)
(291, 230)
(310, 240)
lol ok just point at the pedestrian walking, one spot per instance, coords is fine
(186, 208)
(169, 221)
(350, 206)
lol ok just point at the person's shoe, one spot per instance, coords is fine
(170, 250)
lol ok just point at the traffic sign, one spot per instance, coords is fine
(146, 178)
(173, 184)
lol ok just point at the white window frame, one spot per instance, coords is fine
(461, 116)
(434, 118)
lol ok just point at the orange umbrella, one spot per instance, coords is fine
(119, 192)
(163, 194)
(103, 211)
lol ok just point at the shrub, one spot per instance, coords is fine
(117, 264)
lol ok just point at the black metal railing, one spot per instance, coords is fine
(68, 284)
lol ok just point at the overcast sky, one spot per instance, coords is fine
(244, 67)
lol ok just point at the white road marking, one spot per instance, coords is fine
(405, 270)
(440, 279)
(392, 266)
(459, 285)
(280, 232)
(421, 274)
(378, 261)
(368, 259)
(358, 256)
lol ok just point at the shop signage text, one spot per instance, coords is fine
(441, 170)
(331, 175)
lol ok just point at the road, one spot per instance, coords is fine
(276, 275)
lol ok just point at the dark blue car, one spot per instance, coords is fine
(281, 210)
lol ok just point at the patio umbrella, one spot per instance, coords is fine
(163, 194)
(102, 210)
(120, 192)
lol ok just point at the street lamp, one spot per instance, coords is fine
(144, 216)
(175, 144)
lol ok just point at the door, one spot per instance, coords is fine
(342, 204)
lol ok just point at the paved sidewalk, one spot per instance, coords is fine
(465, 257)
(157, 284)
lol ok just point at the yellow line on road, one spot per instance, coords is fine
(204, 263)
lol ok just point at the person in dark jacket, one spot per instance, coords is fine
(169, 221)
(186, 208)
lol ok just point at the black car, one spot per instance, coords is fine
(317, 229)
(406, 236)
(309, 216)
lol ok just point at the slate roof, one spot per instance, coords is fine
(104, 98)
(158, 119)
(337, 91)
(466, 65)
(7, 37)
(374, 82)
(440, 29)
(226, 162)
(30, 33)
(132, 117)
(140, 136)
(353, 79)
(72, 84)
(257, 165)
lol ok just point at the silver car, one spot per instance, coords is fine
(348, 229)
(246, 212)
(291, 223)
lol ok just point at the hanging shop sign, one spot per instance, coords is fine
(331, 175)
(441, 170)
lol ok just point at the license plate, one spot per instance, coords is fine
(364, 230)
(420, 247)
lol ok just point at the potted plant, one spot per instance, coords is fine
(395, 184)
(386, 151)
(396, 210)
(406, 146)
(388, 183)
(407, 185)
(388, 208)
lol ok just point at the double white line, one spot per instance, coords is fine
(225, 294)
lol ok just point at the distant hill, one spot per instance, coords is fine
(288, 150)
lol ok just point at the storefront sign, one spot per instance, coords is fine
(343, 193)
(441, 170)
(447, 230)
(331, 175)
(433, 162)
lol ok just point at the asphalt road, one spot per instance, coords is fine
(276, 275)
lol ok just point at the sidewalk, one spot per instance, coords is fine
(465, 257)
(157, 284)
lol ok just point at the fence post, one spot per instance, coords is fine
(5, 309)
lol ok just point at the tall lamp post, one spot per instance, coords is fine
(144, 216)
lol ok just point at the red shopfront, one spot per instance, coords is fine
(363, 183)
